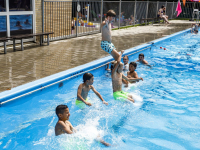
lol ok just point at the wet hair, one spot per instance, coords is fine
(87, 76)
(162, 6)
(60, 109)
(111, 13)
(134, 64)
(141, 54)
(126, 56)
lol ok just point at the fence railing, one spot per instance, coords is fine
(61, 18)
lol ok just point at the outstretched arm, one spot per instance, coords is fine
(80, 97)
(131, 79)
(99, 95)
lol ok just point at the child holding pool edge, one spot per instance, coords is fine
(64, 126)
(117, 77)
(84, 89)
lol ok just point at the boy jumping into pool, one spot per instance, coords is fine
(106, 44)
(84, 89)
(64, 126)
(117, 77)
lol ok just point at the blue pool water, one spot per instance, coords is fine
(166, 114)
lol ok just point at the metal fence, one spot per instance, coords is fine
(61, 18)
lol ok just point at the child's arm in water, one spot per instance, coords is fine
(80, 97)
(99, 95)
(71, 127)
(131, 79)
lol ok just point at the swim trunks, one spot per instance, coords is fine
(80, 104)
(120, 95)
(107, 46)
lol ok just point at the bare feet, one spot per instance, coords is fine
(122, 51)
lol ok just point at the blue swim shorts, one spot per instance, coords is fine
(107, 46)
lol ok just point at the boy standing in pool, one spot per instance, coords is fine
(84, 89)
(106, 44)
(64, 126)
(117, 77)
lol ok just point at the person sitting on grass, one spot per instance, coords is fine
(64, 126)
(161, 15)
(84, 89)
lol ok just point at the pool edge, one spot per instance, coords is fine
(28, 87)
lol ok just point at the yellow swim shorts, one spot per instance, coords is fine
(120, 95)
(80, 104)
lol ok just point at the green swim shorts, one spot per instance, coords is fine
(120, 95)
(80, 104)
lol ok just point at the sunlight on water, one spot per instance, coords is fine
(165, 114)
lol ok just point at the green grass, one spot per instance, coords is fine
(143, 24)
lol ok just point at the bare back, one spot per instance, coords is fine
(106, 31)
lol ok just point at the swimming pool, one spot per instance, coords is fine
(165, 115)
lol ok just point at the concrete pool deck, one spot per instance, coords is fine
(36, 62)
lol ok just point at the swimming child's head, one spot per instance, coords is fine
(88, 78)
(141, 57)
(132, 66)
(125, 59)
(62, 111)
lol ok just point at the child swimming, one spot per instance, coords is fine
(64, 126)
(132, 74)
(84, 89)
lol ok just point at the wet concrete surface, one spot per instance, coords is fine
(37, 62)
